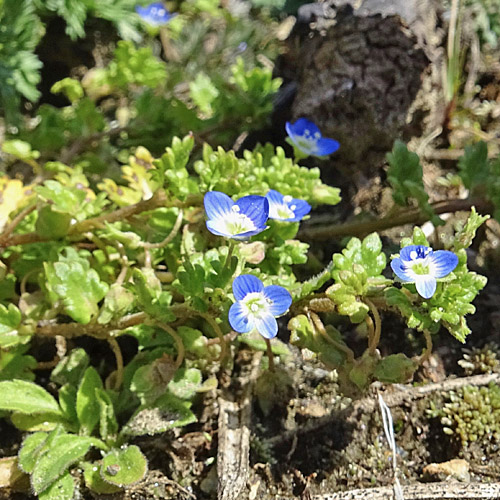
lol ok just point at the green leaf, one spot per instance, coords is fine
(64, 451)
(166, 413)
(203, 92)
(30, 450)
(76, 285)
(94, 481)
(10, 321)
(61, 489)
(464, 237)
(20, 149)
(108, 426)
(395, 369)
(14, 364)
(405, 175)
(70, 87)
(52, 224)
(124, 467)
(26, 397)
(117, 303)
(63, 199)
(37, 421)
(87, 405)
(71, 368)
(474, 167)
(185, 383)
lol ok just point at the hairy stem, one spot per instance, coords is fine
(115, 347)
(270, 356)
(378, 326)
(178, 342)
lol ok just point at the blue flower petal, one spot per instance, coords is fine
(248, 234)
(212, 227)
(280, 298)
(302, 208)
(245, 284)
(326, 146)
(267, 326)
(217, 204)
(300, 126)
(426, 285)
(274, 196)
(401, 270)
(256, 208)
(238, 319)
(421, 251)
(444, 262)
(155, 14)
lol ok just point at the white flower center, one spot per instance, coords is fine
(307, 143)
(233, 222)
(420, 266)
(256, 305)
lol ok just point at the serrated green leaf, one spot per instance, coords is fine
(124, 467)
(76, 285)
(26, 397)
(87, 405)
(14, 364)
(10, 321)
(64, 451)
(474, 167)
(64, 199)
(203, 92)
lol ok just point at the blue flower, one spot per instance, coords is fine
(155, 14)
(257, 306)
(421, 265)
(238, 220)
(307, 138)
(285, 207)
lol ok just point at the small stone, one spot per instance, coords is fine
(456, 469)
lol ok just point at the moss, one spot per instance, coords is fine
(472, 414)
(480, 360)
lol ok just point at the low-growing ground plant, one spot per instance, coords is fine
(135, 224)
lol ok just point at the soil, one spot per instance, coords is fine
(313, 440)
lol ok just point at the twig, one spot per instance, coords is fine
(171, 235)
(15, 221)
(82, 142)
(234, 439)
(158, 200)
(411, 216)
(431, 491)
